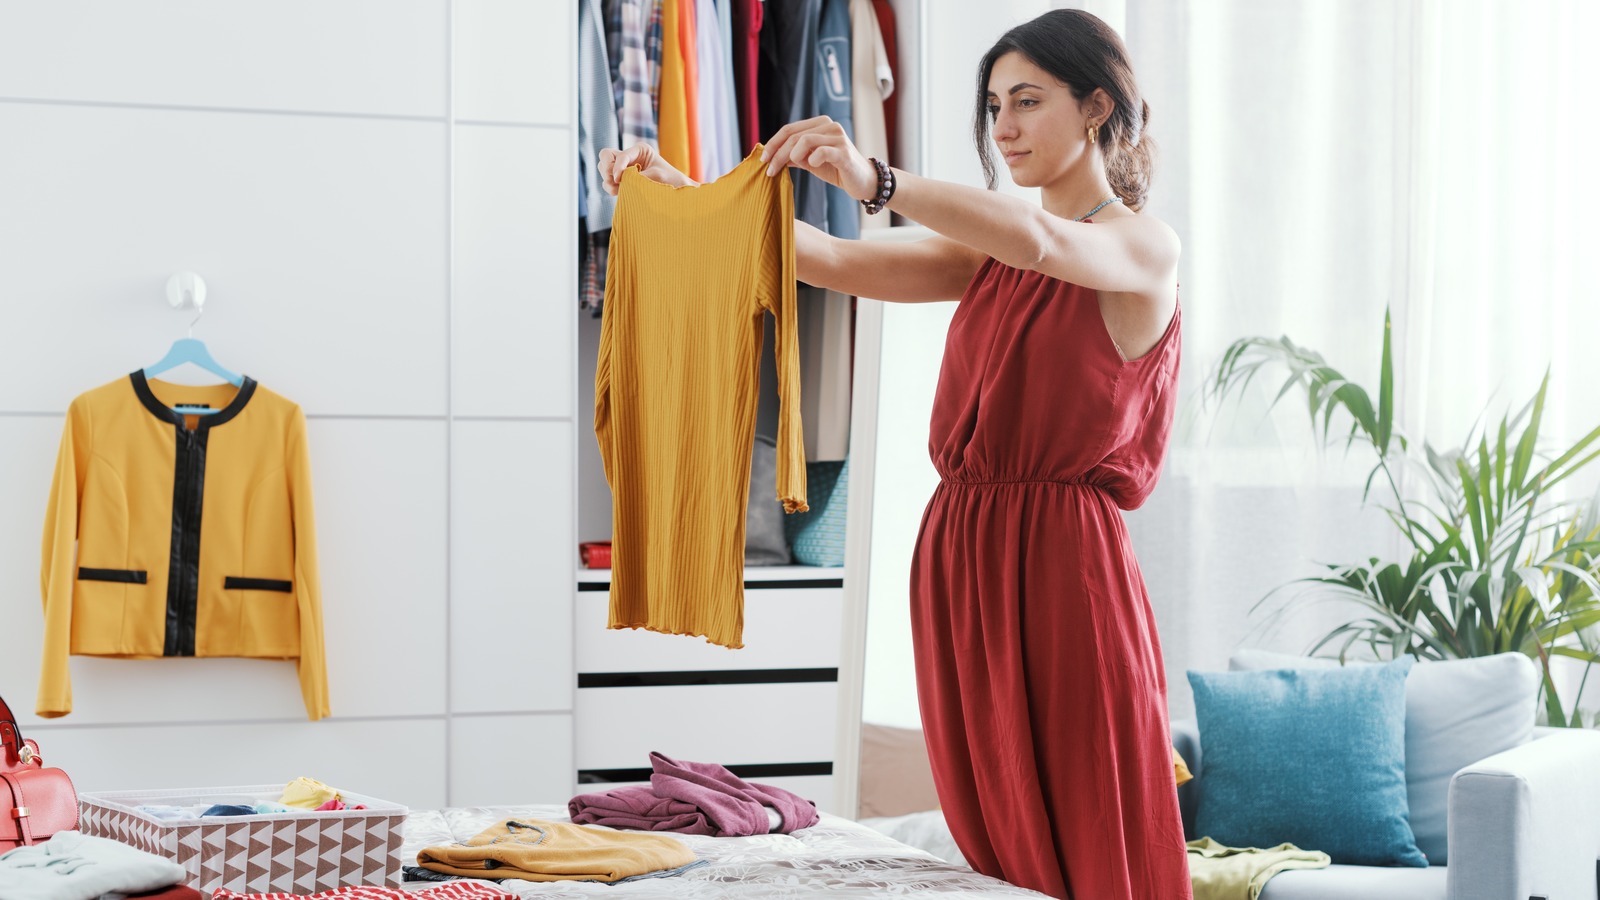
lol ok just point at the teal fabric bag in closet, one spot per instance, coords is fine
(817, 537)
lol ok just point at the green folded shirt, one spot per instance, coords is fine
(1240, 873)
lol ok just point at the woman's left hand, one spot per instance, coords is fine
(821, 147)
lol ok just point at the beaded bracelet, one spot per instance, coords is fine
(885, 188)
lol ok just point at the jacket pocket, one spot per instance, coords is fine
(126, 576)
(235, 583)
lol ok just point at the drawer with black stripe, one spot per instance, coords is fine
(785, 627)
(755, 723)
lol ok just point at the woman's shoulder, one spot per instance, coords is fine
(1143, 226)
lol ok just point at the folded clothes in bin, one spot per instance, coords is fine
(302, 851)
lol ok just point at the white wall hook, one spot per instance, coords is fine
(186, 289)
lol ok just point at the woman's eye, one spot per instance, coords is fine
(993, 110)
(1027, 102)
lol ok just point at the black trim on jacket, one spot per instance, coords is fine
(126, 576)
(188, 505)
(235, 583)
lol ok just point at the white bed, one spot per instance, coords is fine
(835, 858)
(926, 830)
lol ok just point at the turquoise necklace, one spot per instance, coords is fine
(1103, 204)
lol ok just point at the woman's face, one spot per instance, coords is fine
(1037, 125)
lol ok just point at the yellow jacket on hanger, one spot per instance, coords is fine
(193, 533)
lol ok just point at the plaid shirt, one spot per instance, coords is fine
(633, 30)
(652, 48)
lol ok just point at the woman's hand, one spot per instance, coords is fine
(643, 157)
(820, 146)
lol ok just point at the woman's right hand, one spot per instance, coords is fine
(643, 157)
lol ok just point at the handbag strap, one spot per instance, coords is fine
(10, 737)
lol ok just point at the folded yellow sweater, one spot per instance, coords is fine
(307, 793)
(1240, 873)
(536, 850)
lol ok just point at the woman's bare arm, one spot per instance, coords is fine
(935, 268)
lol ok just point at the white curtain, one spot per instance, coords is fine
(1323, 161)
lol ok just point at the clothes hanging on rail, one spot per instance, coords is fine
(693, 271)
(872, 81)
(181, 535)
(597, 114)
(592, 253)
(747, 20)
(637, 74)
(702, 80)
(830, 96)
(788, 73)
(891, 99)
(827, 345)
(718, 130)
(679, 121)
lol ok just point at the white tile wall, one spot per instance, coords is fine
(382, 527)
(511, 570)
(515, 278)
(367, 57)
(491, 759)
(514, 61)
(401, 760)
(408, 279)
(324, 242)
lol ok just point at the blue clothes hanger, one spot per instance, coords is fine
(192, 350)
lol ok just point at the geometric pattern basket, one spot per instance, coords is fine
(302, 853)
(816, 538)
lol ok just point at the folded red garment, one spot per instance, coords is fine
(335, 805)
(176, 892)
(694, 798)
(640, 809)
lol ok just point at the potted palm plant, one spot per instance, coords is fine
(1497, 562)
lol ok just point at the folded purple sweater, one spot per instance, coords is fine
(694, 798)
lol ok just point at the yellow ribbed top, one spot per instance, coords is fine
(692, 271)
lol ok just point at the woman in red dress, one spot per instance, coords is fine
(1038, 666)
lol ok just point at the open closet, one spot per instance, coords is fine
(784, 709)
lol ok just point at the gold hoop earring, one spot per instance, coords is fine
(1094, 133)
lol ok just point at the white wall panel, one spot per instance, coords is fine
(299, 158)
(381, 530)
(400, 761)
(350, 56)
(777, 724)
(510, 760)
(28, 450)
(515, 277)
(514, 61)
(783, 628)
(512, 570)
(324, 243)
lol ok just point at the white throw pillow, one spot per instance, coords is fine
(1458, 712)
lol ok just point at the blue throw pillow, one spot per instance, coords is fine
(1311, 757)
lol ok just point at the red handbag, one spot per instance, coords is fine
(35, 802)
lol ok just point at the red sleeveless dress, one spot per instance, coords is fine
(1039, 671)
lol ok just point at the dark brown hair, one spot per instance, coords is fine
(1083, 53)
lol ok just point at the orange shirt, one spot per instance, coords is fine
(678, 130)
(693, 271)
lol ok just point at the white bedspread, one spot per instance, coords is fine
(835, 858)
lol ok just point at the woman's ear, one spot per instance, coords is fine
(1099, 106)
